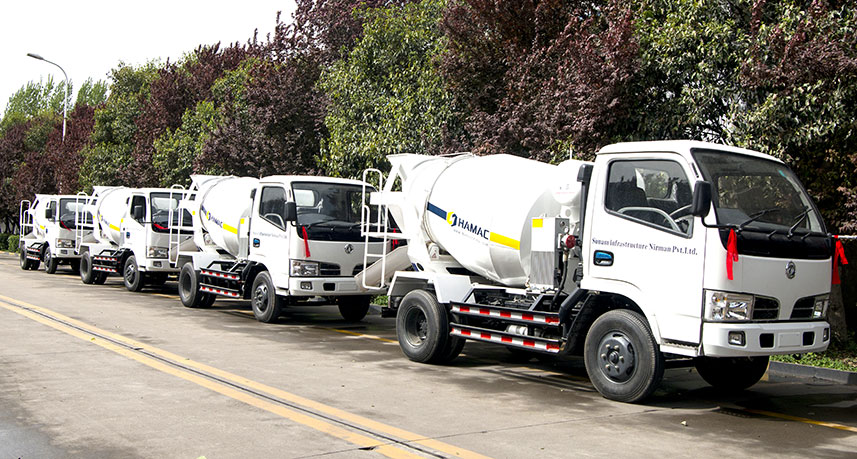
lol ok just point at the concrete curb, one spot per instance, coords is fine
(794, 370)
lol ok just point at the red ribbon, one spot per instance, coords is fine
(306, 241)
(731, 252)
(838, 259)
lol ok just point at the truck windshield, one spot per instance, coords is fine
(328, 211)
(758, 194)
(71, 212)
(163, 204)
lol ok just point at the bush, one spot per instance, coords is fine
(12, 243)
(4, 240)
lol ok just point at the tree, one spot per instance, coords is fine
(387, 96)
(33, 100)
(108, 160)
(535, 78)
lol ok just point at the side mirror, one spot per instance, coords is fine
(701, 199)
(49, 213)
(291, 211)
(138, 213)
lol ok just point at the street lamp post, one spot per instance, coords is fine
(65, 99)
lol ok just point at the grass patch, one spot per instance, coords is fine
(840, 355)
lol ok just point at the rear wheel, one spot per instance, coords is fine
(132, 275)
(50, 261)
(622, 357)
(732, 373)
(75, 265)
(99, 278)
(353, 308)
(422, 326)
(26, 263)
(87, 274)
(266, 303)
(189, 292)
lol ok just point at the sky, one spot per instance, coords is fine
(88, 38)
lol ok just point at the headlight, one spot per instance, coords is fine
(727, 306)
(304, 268)
(158, 252)
(65, 243)
(819, 308)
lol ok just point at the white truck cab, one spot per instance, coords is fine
(278, 240)
(138, 232)
(52, 226)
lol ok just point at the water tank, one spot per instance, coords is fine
(480, 209)
(224, 208)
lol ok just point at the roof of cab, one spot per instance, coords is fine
(683, 147)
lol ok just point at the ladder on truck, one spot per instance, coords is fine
(80, 213)
(25, 219)
(376, 228)
(175, 230)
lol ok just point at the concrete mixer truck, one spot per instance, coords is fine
(52, 227)
(277, 241)
(137, 234)
(620, 260)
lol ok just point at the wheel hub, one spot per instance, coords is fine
(416, 327)
(130, 273)
(260, 297)
(616, 355)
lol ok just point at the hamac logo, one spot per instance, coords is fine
(791, 270)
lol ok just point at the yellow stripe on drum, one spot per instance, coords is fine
(231, 229)
(538, 222)
(113, 227)
(503, 240)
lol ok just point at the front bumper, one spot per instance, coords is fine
(765, 338)
(324, 286)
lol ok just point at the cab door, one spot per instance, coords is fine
(133, 225)
(270, 233)
(644, 243)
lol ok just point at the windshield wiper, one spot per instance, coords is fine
(800, 219)
(756, 216)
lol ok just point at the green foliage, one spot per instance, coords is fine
(12, 243)
(387, 95)
(841, 355)
(34, 100)
(690, 53)
(176, 151)
(115, 126)
(4, 239)
(92, 93)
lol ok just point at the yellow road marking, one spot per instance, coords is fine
(832, 425)
(362, 441)
(362, 335)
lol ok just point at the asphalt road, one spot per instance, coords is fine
(96, 371)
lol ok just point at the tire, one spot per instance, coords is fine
(99, 278)
(75, 265)
(263, 297)
(26, 263)
(622, 358)
(50, 261)
(353, 308)
(87, 274)
(732, 373)
(132, 275)
(189, 292)
(422, 327)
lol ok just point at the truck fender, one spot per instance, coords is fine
(594, 305)
(447, 287)
(249, 275)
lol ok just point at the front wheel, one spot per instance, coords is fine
(87, 274)
(622, 357)
(732, 373)
(132, 275)
(353, 308)
(50, 261)
(266, 304)
(422, 327)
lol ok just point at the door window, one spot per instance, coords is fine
(272, 206)
(138, 201)
(652, 192)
